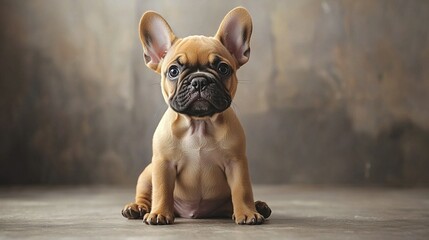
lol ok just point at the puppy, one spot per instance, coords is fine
(199, 166)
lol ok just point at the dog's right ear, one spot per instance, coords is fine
(156, 37)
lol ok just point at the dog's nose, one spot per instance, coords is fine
(199, 83)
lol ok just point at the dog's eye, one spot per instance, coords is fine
(224, 69)
(173, 72)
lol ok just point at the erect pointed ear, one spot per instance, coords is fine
(234, 33)
(156, 37)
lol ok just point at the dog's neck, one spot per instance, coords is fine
(198, 126)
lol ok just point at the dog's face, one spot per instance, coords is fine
(198, 73)
(197, 79)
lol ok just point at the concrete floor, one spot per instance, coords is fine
(298, 213)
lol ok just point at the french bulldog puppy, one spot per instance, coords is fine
(199, 166)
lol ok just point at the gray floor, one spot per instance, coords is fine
(298, 213)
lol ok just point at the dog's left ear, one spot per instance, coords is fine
(234, 33)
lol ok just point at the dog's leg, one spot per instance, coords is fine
(142, 204)
(163, 179)
(241, 190)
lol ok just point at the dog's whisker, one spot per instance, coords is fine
(245, 81)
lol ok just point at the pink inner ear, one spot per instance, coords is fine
(158, 41)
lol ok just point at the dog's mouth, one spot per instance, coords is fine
(200, 108)
(200, 96)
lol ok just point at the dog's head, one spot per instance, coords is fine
(198, 73)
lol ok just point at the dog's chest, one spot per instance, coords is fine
(201, 185)
(200, 166)
(199, 141)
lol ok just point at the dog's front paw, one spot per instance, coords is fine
(157, 218)
(248, 217)
(134, 211)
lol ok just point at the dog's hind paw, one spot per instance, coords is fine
(263, 208)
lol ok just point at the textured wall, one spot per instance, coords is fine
(335, 91)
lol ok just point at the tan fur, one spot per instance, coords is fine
(196, 159)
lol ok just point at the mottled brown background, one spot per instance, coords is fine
(336, 92)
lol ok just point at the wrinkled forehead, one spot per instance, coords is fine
(198, 51)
